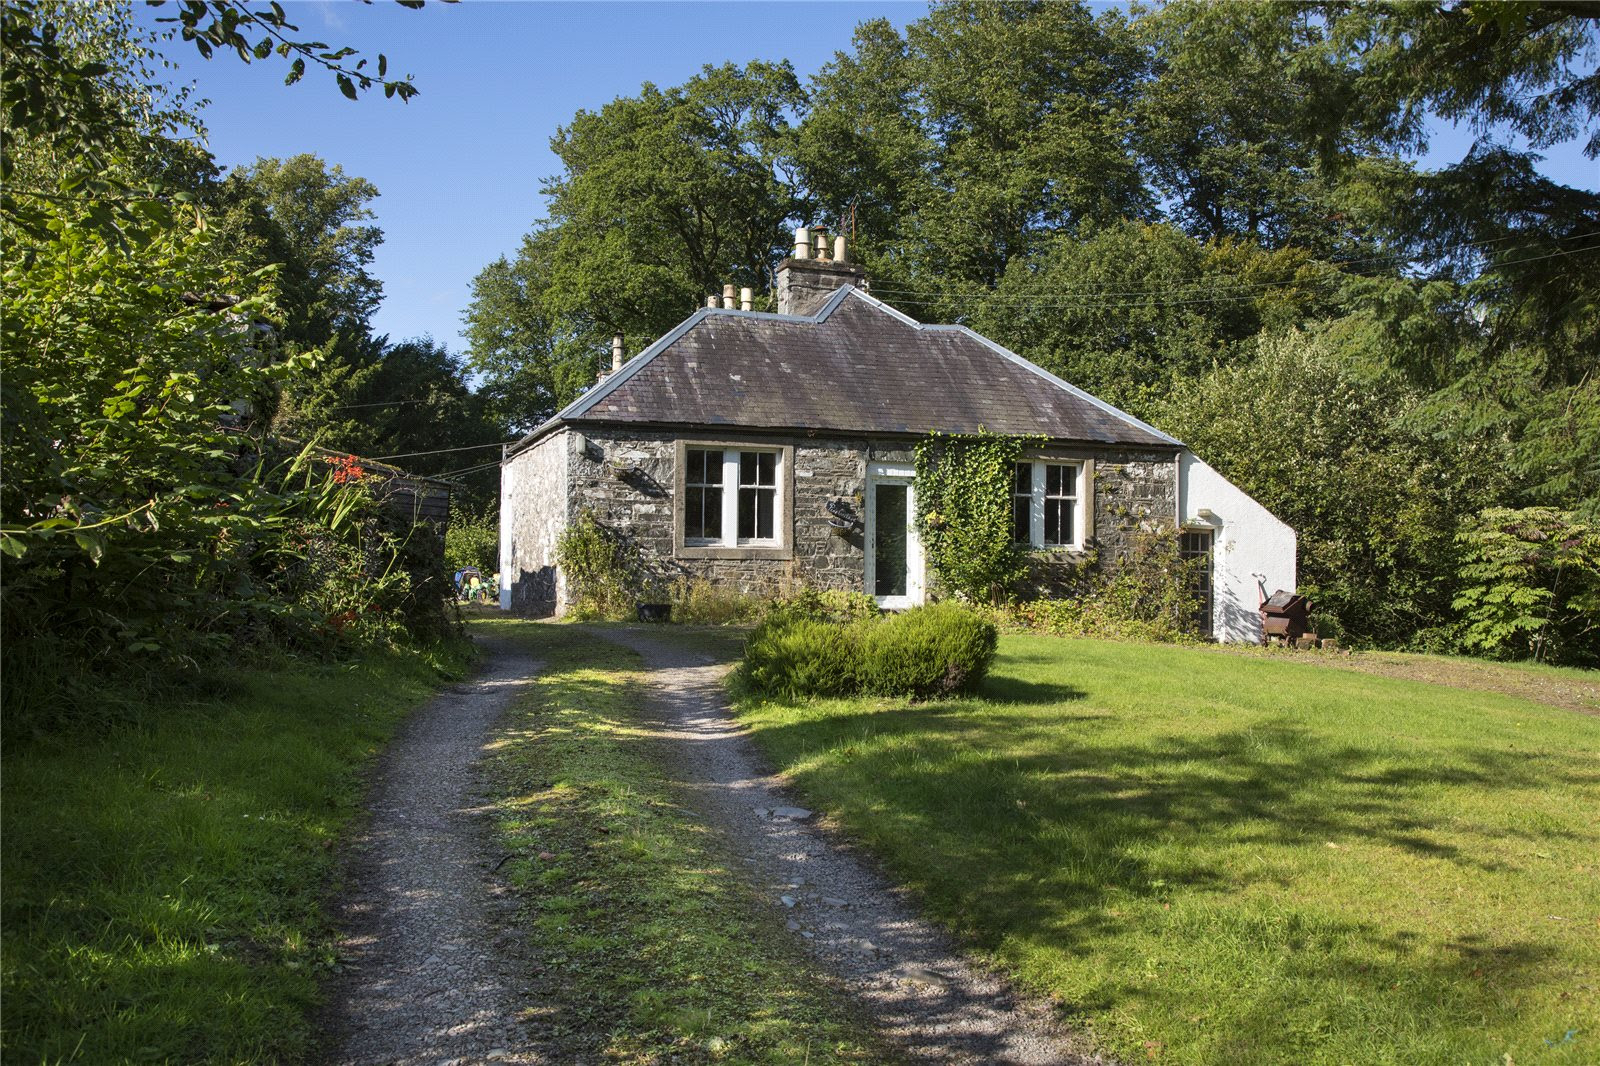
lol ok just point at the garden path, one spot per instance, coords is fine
(913, 982)
(431, 971)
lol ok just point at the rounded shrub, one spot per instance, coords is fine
(936, 650)
(787, 656)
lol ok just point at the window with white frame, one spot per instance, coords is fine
(758, 495)
(1046, 500)
(730, 497)
(702, 496)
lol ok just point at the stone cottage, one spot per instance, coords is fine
(766, 451)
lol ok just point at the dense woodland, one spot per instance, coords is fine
(1207, 214)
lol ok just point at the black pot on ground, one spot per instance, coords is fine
(655, 612)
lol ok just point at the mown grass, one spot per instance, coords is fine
(653, 944)
(164, 878)
(1220, 859)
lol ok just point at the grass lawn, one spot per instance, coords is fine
(163, 881)
(654, 947)
(1210, 858)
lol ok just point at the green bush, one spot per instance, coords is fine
(472, 540)
(938, 650)
(600, 576)
(925, 652)
(796, 657)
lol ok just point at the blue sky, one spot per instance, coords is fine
(459, 167)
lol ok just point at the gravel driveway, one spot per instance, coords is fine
(923, 994)
(432, 971)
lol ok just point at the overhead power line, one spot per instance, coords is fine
(439, 451)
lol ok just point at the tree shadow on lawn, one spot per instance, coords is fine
(1026, 836)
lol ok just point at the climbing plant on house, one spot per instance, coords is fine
(964, 511)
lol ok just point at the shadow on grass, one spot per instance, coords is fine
(1003, 689)
(1010, 844)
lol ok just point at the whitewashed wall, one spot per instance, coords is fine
(533, 512)
(1251, 548)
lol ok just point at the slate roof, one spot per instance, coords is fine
(857, 367)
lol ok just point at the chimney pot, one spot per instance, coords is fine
(745, 299)
(821, 237)
(839, 251)
(616, 353)
(711, 301)
(727, 297)
(802, 242)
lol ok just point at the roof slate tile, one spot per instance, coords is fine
(861, 368)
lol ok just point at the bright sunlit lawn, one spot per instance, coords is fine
(1208, 858)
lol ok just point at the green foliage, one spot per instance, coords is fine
(601, 580)
(1202, 305)
(1343, 457)
(797, 657)
(937, 650)
(1150, 596)
(472, 540)
(964, 512)
(149, 522)
(696, 601)
(825, 605)
(167, 867)
(228, 25)
(1531, 585)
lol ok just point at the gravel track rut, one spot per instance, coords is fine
(923, 994)
(432, 969)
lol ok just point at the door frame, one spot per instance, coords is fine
(895, 474)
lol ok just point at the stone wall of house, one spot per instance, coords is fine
(1133, 490)
(534, 509)
(626, 477)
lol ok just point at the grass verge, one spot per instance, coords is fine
(655, 949)
(1219, 859)
(164, 879)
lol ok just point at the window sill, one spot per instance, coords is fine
(742, 551)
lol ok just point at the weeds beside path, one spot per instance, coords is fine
(164, 878)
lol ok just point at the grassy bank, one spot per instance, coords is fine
(654, 946)
(163, 881)
(1220, 859)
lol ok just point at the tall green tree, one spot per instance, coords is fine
(1337, 454)
(1128, 310)
(1232, 124)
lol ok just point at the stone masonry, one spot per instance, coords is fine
(626, 477)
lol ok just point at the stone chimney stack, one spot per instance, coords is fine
(807, 278)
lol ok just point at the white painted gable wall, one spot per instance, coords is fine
(1251, 548)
